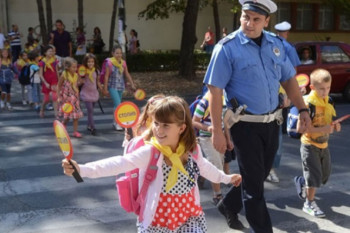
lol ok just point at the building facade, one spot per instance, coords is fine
(310, 20)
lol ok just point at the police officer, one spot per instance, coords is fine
(283, 32)
(250, 65)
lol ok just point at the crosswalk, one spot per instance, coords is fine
(35, 195)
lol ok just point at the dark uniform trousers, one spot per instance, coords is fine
(255, 145)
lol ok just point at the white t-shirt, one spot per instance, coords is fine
(36, 78)
(2, 39)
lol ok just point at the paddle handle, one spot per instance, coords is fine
(130, 133)
(76, 174)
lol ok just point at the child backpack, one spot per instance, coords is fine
(193, 105)
(292, 119)
(103, 69)
(131, 198)
(24, 77)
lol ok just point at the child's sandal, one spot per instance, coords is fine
(76, 134)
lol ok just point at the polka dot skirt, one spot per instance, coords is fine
(177, 211)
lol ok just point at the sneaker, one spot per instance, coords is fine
(272, 177)
(117, 127)
(93, 132)
(8, 106)
(37, 108)
(313, 209)
(231, 218)
(76, 134)
(24, 102)
(217, 198)
(49, 107)
(2, 104)
(299, 182)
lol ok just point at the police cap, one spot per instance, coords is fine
(263, 7)
(282, 27)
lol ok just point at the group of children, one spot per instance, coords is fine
(57, 80)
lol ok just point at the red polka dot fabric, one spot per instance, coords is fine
(174, 210)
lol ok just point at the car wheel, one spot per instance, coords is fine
(346, 92)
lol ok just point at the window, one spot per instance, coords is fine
(307, 54)
(304, 16)
(332, 54)
(326, 18)
(344, 23)
(283, 13)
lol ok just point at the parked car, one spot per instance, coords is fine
(332, 56)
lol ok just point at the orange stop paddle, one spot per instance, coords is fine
(66, 147)
(303, 80)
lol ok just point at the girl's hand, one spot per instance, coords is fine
(54, 88)
(47, 85)
(105, 92)
(68, 168)
(236, 179)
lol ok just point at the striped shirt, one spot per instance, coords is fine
(15, 38)
(202, 111)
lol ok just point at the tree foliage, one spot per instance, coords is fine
(162, 8)
(341, 6)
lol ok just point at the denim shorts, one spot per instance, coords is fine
(316, 165)
(6, 88)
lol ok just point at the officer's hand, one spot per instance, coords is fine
(304, 122)
(219, 140)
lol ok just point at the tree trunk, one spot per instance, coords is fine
(43, 31)
(81, 14)
(48, 15)
(235, 21)
(188, 40)
(216, 21)
(111, 33)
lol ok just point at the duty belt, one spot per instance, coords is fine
(230, 117)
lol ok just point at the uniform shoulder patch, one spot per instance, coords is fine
(227, 38)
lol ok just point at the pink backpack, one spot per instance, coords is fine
(131, 198)
(103, 69)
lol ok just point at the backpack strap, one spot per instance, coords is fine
(195, 152)
(150, 175)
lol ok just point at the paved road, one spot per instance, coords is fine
(36, 197)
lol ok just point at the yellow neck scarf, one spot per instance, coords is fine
(89, 72)
(73, 79)
(118, 64)
(5, 62)
(33, 63)
(21, 62)
(48, 63)
(329, 111)
(174, 159)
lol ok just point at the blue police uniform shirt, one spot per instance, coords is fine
(248, 72)
(291, 53)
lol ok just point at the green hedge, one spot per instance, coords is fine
(147, 61)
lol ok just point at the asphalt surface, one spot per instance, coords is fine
(35, 196)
